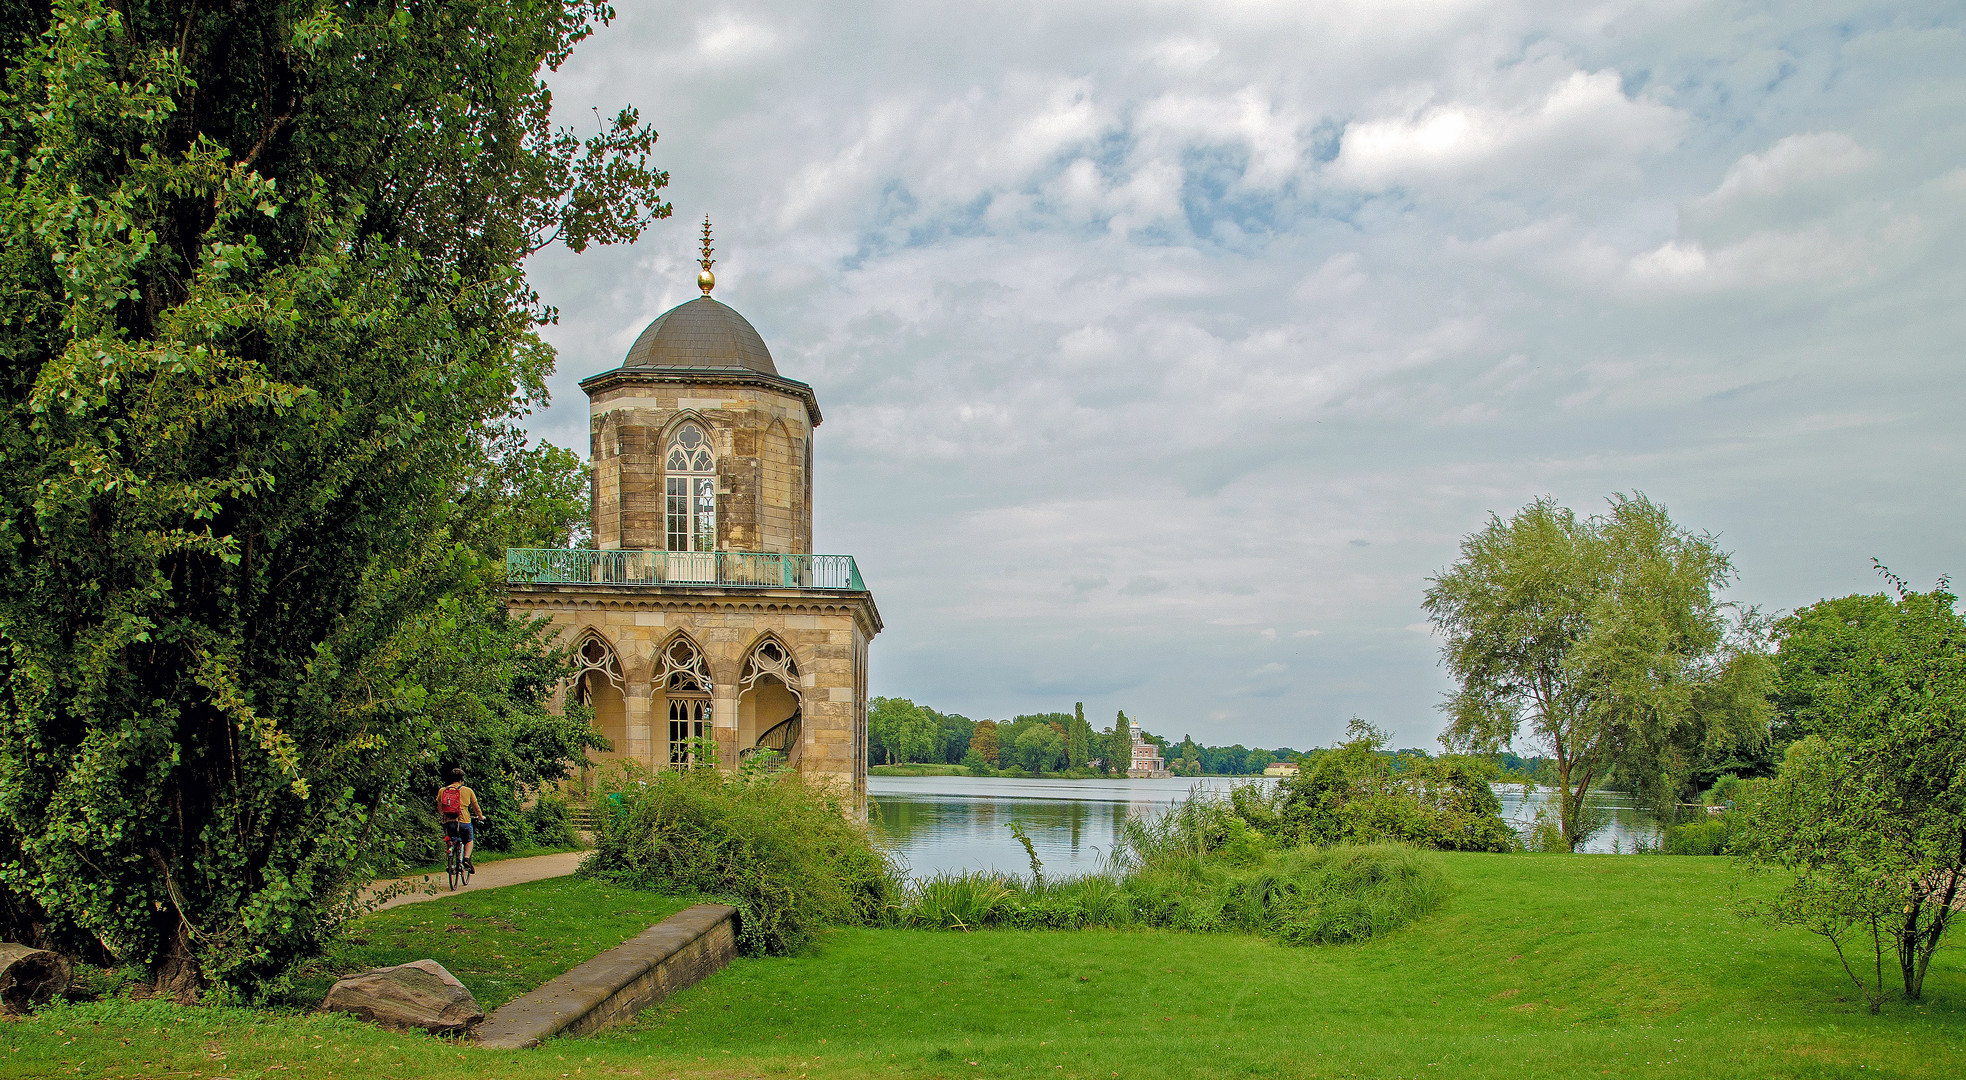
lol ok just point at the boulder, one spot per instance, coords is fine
(29, 976)
(420, 996)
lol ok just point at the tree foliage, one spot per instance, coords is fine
(1867, 818)
(1602, 640)
(1358, 793)
(263, 339)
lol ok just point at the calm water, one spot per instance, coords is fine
(938, 823)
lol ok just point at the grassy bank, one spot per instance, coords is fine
(498, 942)
(1538, 966)
(917, 770)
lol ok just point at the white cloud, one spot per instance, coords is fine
(1128, 321)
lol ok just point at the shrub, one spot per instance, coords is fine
(779, 849)
(549, 821)
(1359, 794)
(1702, 836)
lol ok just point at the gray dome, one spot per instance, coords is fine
(700, 333)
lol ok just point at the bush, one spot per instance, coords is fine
(1359, 794)
(549, 821)
(779, 849)
(1709, 837)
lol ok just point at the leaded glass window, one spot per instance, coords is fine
(691, 491)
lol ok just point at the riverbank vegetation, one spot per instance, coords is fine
(782, 850)
(1536, 966)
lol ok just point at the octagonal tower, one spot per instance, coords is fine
(704, 626)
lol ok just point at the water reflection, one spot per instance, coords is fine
(938, 823)
(951, 823)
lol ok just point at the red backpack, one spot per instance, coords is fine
(450, 800)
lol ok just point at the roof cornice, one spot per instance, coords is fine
(695, 376)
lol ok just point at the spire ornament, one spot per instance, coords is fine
(706, 280)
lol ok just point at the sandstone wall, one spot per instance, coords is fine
(762, 439)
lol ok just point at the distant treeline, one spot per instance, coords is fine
(900, 732)
(1059, 744)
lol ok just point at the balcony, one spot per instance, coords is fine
(718, 569)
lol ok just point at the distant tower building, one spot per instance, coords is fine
(1147, 763)
(702, 619)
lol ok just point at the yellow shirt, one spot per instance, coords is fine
(468, 804)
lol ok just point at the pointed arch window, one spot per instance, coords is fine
(685, 681)
(691, 470)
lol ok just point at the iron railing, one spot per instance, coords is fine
(726, 569)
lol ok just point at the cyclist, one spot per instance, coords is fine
(458, 806)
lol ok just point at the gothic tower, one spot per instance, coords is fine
(704, 624)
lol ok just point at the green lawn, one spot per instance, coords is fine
(1540, 966)
(917, 770)
(499, 942)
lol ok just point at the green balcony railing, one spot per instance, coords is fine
(728, 569)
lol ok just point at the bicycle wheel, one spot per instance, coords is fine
(455, 865)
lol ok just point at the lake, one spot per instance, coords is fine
(950, 823)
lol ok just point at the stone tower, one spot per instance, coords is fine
(702, 621)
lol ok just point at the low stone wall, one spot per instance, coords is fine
(614, 986)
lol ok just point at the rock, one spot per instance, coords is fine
(420, 996)
(29, 976)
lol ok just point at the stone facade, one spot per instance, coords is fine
(762, 429)
(739, 645)
(826, 637)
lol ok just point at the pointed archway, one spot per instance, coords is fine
(598, 684)
(770, 702)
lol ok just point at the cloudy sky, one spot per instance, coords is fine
(1167, 349)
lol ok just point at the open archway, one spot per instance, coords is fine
(770, 701)
(684, 688)
(597, 684)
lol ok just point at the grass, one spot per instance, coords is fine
(917, 770)
(1537, 966)
(500, 943)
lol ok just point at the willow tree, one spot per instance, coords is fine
(264, 332)
(1602, 640)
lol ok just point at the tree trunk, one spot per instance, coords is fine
(176, 975)
(29, 976)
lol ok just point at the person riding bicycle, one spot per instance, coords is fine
(458, 806)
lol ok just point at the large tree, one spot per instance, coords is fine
(1867, 818)
(1603, 641)
(263, 339)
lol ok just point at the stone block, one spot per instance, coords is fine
(408, 997)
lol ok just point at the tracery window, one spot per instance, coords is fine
(685, 680)
(692, 491)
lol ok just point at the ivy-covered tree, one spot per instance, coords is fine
(263, 338)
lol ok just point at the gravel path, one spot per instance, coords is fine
(489, 876)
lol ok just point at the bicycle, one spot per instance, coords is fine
(460, 872)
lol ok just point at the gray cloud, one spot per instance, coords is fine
(1175, 305)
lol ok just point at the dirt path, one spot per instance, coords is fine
(489, 876)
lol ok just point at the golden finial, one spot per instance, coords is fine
(707, 280)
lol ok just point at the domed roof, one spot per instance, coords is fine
(700, 333)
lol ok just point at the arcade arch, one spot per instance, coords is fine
(598, 684)
(770, 701)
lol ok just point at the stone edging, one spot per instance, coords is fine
(612, 987)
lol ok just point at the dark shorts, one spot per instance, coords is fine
(463, 830)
